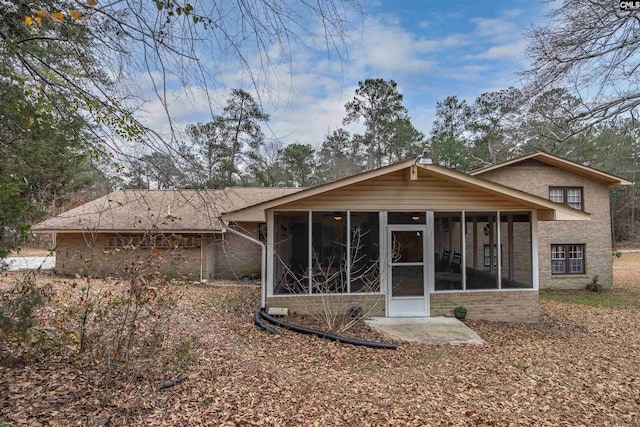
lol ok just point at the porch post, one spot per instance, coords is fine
(349, 252)
(499, 249)
(535, 271)
(463, 245)
(475, 242)
(430, 264)
(512, 250)
(270, 248)
(202, 258)
(310, 254)
(383, 265)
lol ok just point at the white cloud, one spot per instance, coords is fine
(512, 13)
(496, 29)
(512, 51)
(306, 96)
(389, 48)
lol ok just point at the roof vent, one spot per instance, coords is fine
(425, 159)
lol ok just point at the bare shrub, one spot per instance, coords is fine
(114, 328)
(18, 314)
(122, 323)
(334, 307)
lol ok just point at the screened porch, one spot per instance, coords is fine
(407, 254)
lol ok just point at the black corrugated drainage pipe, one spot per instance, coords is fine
(325, 335)
(259, 323)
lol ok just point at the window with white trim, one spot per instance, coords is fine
(570, 196)
(568, 259)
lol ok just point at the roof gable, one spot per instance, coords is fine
(559, 162)
(249, 211)
(334, 195)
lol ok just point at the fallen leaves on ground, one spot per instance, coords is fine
(578, 366)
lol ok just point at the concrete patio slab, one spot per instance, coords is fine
(425, 330)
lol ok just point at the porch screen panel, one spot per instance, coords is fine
(447, 234)
(291, 253)
(365, 252)
(482, 250)
(329, 252)
(515, 236)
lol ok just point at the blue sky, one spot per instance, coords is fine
(431, 48)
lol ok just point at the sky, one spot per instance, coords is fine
(432, 49)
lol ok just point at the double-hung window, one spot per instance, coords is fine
(570, 196)
(568, 259)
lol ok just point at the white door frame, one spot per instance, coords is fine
(417, 306)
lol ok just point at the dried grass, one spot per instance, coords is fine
(578, 366)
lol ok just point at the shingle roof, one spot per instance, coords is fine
(561, 163)
(169, 210)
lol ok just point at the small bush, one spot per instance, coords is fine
(594, 286)
(460, 312)
(18, 313)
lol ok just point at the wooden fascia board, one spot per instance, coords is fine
(551, 210)
(561, 163)
(322, 188)
(562, 212)
(581, 170)
(251, 215)
(501, 164)
(128, 231)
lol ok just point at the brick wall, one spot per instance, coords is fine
(223, 257)
(86, 254)
(237, 257)
(503, 306)
(535, 178)
(374, 305)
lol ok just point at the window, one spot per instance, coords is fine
(568, 259)
(570, 196)
(487, 257)
(142, 241)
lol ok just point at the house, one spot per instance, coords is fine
(176, 232)
(418, 239)
(408, 239)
